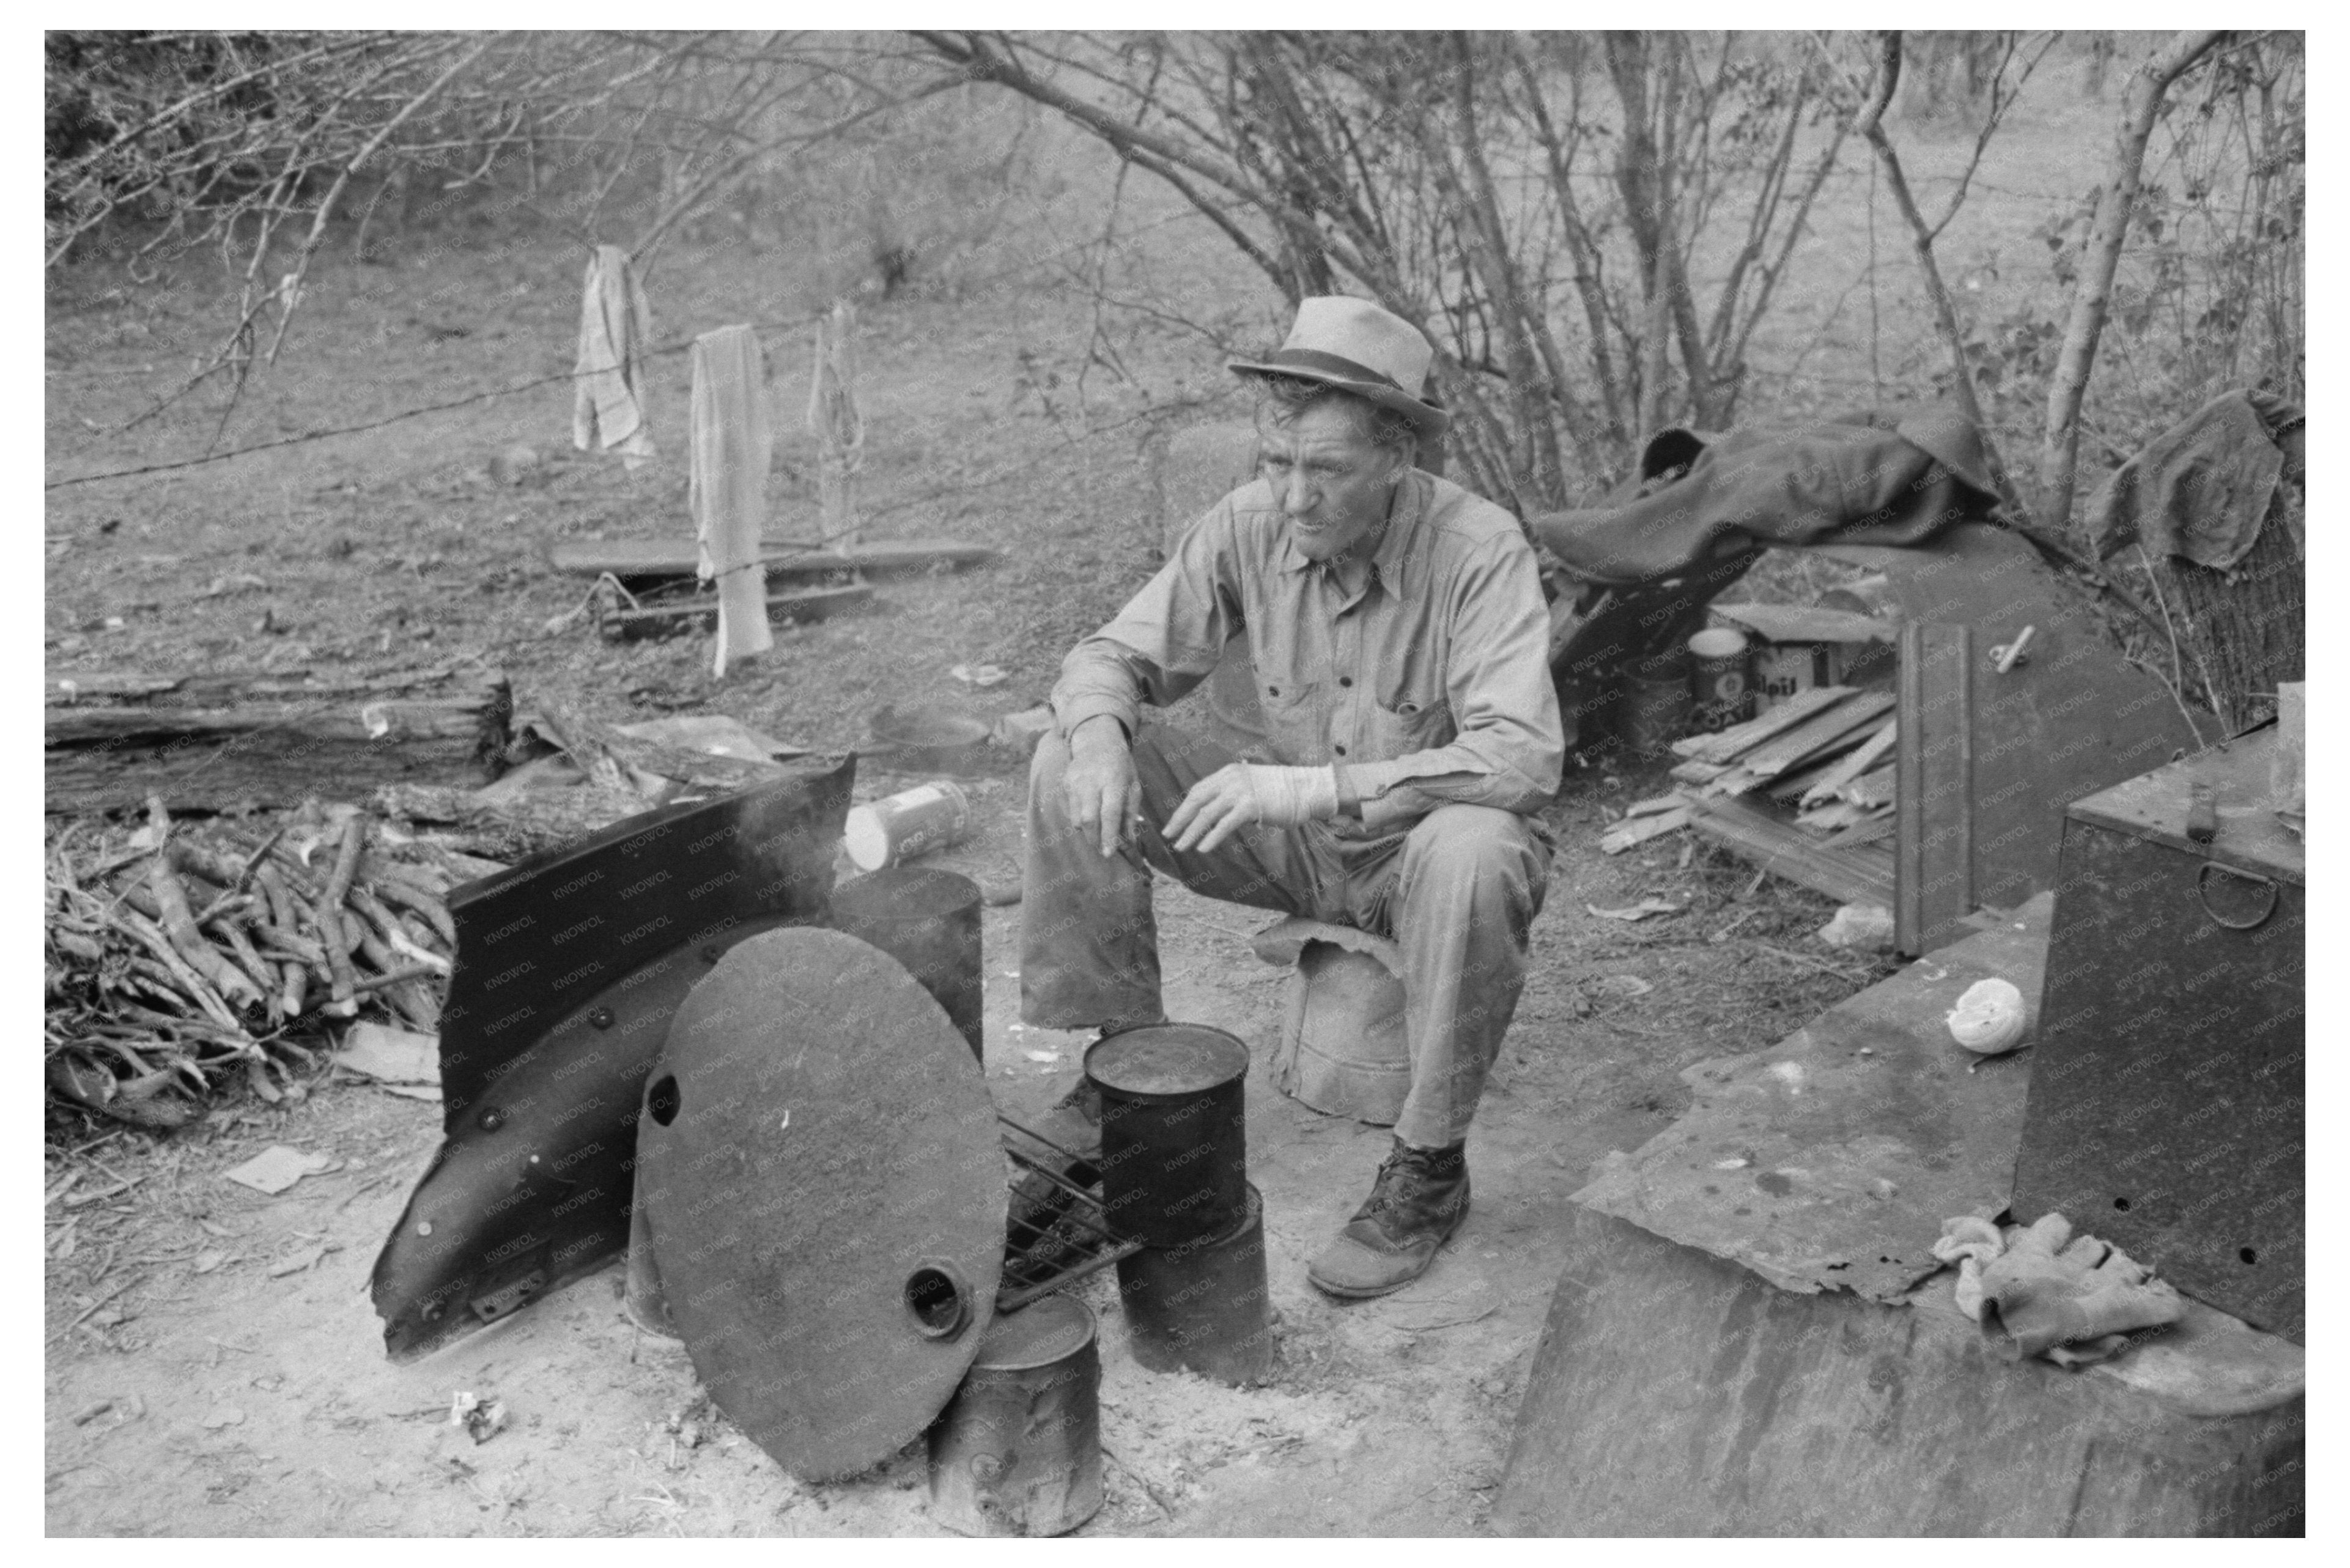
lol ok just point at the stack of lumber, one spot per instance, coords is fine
(1806, 788)
(184, 952)
(646, 587)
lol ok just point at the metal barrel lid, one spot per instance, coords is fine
(1166, 1061)
(826, 1182)
(1052, 1328)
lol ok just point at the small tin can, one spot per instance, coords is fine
(897, 828)
(1017, 1451)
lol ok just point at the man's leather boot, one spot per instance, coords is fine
(1419, 1199)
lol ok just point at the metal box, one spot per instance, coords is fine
(2165, 1108)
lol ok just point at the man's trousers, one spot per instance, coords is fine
(1456, 892)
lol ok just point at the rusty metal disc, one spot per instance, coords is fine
(826, 1187)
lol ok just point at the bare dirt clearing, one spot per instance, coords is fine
(229, 1338)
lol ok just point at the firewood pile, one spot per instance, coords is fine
(183, 954)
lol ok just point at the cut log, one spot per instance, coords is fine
(210, 742)
(633, 560)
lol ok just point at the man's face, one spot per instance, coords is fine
(1331, 483)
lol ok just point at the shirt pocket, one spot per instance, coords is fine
(1405, 720)
(1290, 705)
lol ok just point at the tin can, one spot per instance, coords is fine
(1017, 1451)
(1202, 1307)
(898, 828)
(1718, 683)
(1174, 1138)
(928, 919)
(1656, 703)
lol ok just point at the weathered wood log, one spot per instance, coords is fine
(212, 740)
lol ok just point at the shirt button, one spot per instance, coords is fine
(1342, 750)
(1346, 680)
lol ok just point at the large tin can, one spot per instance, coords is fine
(1017, 1451)
(896, 828)
(1720, 680)
(1202, 1307)
(928, 919)
(1174, 1140)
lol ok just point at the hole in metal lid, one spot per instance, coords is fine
(661, 1102)
(939, 1301)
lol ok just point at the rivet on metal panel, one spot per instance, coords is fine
(601, 1018)
(713, 953)
(491, 1120)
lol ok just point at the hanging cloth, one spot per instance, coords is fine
(608, 404)
(733, 434)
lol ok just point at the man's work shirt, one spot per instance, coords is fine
(1429, 684)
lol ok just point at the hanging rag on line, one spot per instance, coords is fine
(834, 420)
(733, 434)
(607, 402)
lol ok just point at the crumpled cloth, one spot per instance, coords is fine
(2203, 488)
(1869, 480)
(2038, 1290)
(733, 436)
(607, 399)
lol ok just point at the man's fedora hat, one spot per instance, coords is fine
(1358, 348)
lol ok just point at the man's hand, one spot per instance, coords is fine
(1100, 785)
(1242, 793)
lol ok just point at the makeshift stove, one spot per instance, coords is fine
(824, 1203)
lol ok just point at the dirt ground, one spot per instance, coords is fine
(212, 1364)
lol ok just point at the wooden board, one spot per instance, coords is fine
(1934, 776)
(659, 619)
(1849, 721)
(628, 559)
(1775, 845)
(1806, 623)
(1728, 745)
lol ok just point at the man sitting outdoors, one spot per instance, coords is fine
(1399, 641)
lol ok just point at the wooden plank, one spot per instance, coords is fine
(1806, 623)
(1640, 829)
(1934, 780)
(1855, 764)
(1777, 846)
(1820, 736)
(1878, 787)
(655, 620)
(1728, 745)
(1697, 773)
(633, 558)
(1874, 830)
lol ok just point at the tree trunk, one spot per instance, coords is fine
(2093, 289)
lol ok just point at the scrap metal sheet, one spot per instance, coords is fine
(1830, 1160)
